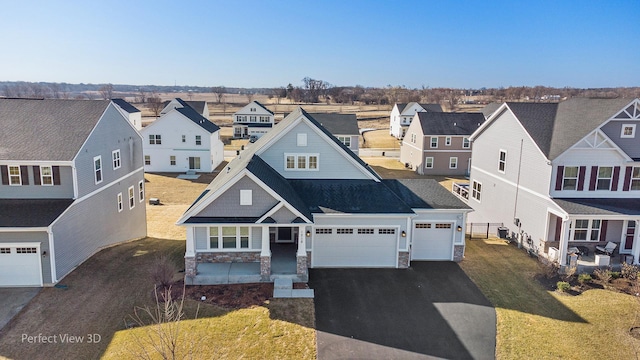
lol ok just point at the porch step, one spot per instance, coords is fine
(283, 288)
(283, 283)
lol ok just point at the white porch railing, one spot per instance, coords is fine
(461, 191)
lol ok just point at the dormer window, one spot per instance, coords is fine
(628, 131)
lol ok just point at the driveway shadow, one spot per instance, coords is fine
(430, 310)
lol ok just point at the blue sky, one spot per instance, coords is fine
(463, 44)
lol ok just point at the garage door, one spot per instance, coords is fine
(355, 247)
(432, 241)
(20, 265)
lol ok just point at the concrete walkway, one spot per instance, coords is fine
(12, 300)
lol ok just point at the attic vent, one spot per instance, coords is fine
(454, 124)
(228, 169)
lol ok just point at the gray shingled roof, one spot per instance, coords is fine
(490, 109)
(424, 194)
(600, 206)
(349, 196)
(401, 107)
(338, 124)
(440, 123)
(31, 212)
(432, 107)
(557, 126)
(198, 106)
(126, 106)
(46, 130)
(203, 122)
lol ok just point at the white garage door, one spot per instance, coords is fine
(20, 265)
(432, 241)
(355, 247)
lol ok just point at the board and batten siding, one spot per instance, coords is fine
(332, 162)
(112, 132)
(95, 223)
(228, 203)
(33, 237)
(33, 191)
(631, 146)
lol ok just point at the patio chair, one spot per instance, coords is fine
(607, 249)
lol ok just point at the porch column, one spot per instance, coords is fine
(564, 242)
(635, 249)
(301, 254)
(190, 266)
(265, 255)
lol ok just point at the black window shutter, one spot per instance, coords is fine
(583, 170)
(603, 230)
(56, 175)
(594, 177)
(559, 176)
(4, 173)
(24, 173)
(36, 175)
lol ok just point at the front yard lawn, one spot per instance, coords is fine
(536, 323)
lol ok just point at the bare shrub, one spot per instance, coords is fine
(603, 274)
(569, 272)
(163, 271)
(549, 269)
(630, 272)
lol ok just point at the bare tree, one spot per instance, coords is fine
(7, 91)
(55, 90)
(314, 89)
(249, 96)
(142, 96)
(106, 91)
(155, 104)
(219, 92)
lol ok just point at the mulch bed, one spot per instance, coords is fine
(231, 296)
(620, 284)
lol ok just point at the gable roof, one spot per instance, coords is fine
(424, 194)
(600, 206)
(124, 105)
(198, 106)
(60, 127)
(441, 123)
(490, 109)
(338, 124)
(432, 107)
(537, 119)
(31, 212)
(200, 120)
(401, 107)
(258, 104)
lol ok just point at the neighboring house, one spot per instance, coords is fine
(72, 183)
(343, 126)
(438, 143)
(299, 198)
(130, 112)
(402, 114)
(200, 107)
(561, 175)
(490, 108)
(182, 140)
(252, 120)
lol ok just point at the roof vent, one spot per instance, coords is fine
(455, 124)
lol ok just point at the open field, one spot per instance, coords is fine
(534, 323)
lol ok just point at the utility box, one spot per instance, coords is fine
(502, 232)
(154, 201)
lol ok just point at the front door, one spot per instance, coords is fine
(629, 234)
(194, 163)
(286, 234)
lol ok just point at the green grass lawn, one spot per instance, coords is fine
(541, 324)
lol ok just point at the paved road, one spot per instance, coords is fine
(431, 310)
(12, 300)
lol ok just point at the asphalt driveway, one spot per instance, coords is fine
(430, 310)
(12, 300)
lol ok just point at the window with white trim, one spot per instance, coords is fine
(324, 231)
(252, 118)
(476, 190)
(141, 190)
(301, 162)
(453, 162)
(447, 141)
(605, 174)
(570, 178)
(119, 201)
(466, 143)
(423, 226)
(172, 160)
(346, 140)
(344, 231)
(229, 237)
(628, 131)
(132, 202)
(585, 229)
(413, 138)
(428, 163)
(26, 250)
(443, 226)
(264, 119)
(214, 239)
(46, 176)
(368, 231)
(115, 157)
(97, 168)
(386, 231)
(302, 139)
(147, 159)
(184, 138)
(15, 178)
(155, 139)
(198, 140)
(635, 178)
(502, 160)
(246, 197)
(434, 142)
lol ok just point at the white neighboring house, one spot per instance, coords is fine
(253, 119)
(200, 107)
(402, 114)
(182, 140)
(130, 112)
(343, 126)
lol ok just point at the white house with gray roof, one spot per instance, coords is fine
(201, 107)
(343, 126)
(254, 119)
(130, 112)
(299, 198)
(562, 177)
(71, 183)
(402, 115)
(182, 140)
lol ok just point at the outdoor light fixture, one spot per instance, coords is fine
(308, 233)
(459, 228)
(404, 234)
(44, 253)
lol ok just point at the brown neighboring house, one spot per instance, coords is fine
(437, 143)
